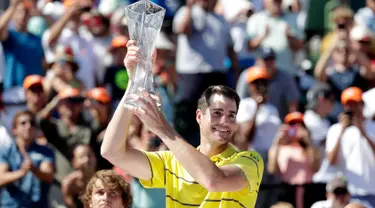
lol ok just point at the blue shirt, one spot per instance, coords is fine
(23, 54)
(28, 191)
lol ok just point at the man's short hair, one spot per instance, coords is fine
(110, 180)
(204, 100)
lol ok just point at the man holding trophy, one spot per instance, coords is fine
(213, 175)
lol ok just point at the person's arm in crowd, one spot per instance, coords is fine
(295, 43)
(8, 177)
(67, 190)
(367, 70)
(332, 155)
(46, 112)
(45, 172)
(322, 64)
(255, 42)
(6, 17)
(57, 27)
(186, 24)
(273, 152)
(313, 153)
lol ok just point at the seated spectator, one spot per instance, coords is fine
(283, 92)
(62, 74)
(26, 168)
(107, 189)
(84, 163)
(337, 194)
(295, 159)
(351, 146)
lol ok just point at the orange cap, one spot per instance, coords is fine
(32, 80)
(351, 94)
(119, 42)
(68, 3)
(255, 73)
(99, 94)
(294, 117)
(68, 92)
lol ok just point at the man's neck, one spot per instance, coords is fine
(210, 149)
(21, 143)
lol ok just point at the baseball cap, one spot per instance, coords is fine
(318, 90)
(267, 53)
(336, 183)
(255, 73)
(68, 93)
(99, 94)
(351, 94)
(32, 80)
(294, 117)
(119, 42)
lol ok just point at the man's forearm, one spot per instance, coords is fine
(10, 177)
(234, 60)
(57, 28)
(44, 177)
(186, 26)
(199, 166)
(5, 19)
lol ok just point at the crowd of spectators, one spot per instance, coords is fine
(307, 94)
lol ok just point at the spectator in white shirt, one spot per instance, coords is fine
(366, 15)
(351, 146)
(337, 194)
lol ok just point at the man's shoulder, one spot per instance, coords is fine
(249, 156)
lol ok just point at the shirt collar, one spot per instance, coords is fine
(227, 153)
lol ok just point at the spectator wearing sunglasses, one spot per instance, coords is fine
(337, 194)
(70, 129)
(26, 168)
(295, 159)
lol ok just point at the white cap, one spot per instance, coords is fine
(359, 33)
(233, 7)
(162, 42)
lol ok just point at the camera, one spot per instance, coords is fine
(341, 26)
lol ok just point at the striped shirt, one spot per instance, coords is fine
(183, 191)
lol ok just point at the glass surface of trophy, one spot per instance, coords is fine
(145, 19)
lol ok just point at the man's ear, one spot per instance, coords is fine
(198, 116)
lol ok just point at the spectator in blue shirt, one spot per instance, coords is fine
(22, 50)
(26, 168)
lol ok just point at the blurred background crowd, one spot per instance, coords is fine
(304, 69)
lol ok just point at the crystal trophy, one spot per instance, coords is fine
(145, 19)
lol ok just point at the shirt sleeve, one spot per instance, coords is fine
(251, 27)
(252, 165)
(178, 18)
(157, 161)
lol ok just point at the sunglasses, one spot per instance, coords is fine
(36, 89)
(340, 191)
(31, 122)
(76, 100)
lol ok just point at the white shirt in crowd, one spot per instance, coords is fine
(323, 204)
(83, 53)
(276, 38)
(267, 122)
(366, 17)
(318, 128)
(5, 138)
(355, 157)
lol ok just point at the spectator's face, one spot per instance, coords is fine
(341, 55)
(84, 159)
(327, 104)
(96, 26)
(259, 87)
(273, 6)
(371, 4)
(71, 107)
(21, 17)
(118, 55)
(362, 45)
(25, 128)
(218, 121)
(35, 96)
(355, 107)
(103, 197)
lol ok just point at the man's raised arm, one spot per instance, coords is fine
(114, 147)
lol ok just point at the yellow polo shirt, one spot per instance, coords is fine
(183, 191)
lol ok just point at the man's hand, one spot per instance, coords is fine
(282, 135)
(148, 112)
(15, 2)
(26, 165)
(344, 120)
(133, 57)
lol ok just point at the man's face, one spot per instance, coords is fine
(35, 96)
(25, 128)
(371, 4)
(273, 6)
(327, 104)
(84, 159)
(355, 107)
(71, 107)
(259, 87)
(21, 17)
(269, 63)
(103, 197)
(340, 197)
(218, 122)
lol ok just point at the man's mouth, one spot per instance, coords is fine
(221, 129)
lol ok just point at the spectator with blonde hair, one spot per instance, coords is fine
(107, 189)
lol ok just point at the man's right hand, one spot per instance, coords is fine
(344, 120)
(26, 165)
(15, 2)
